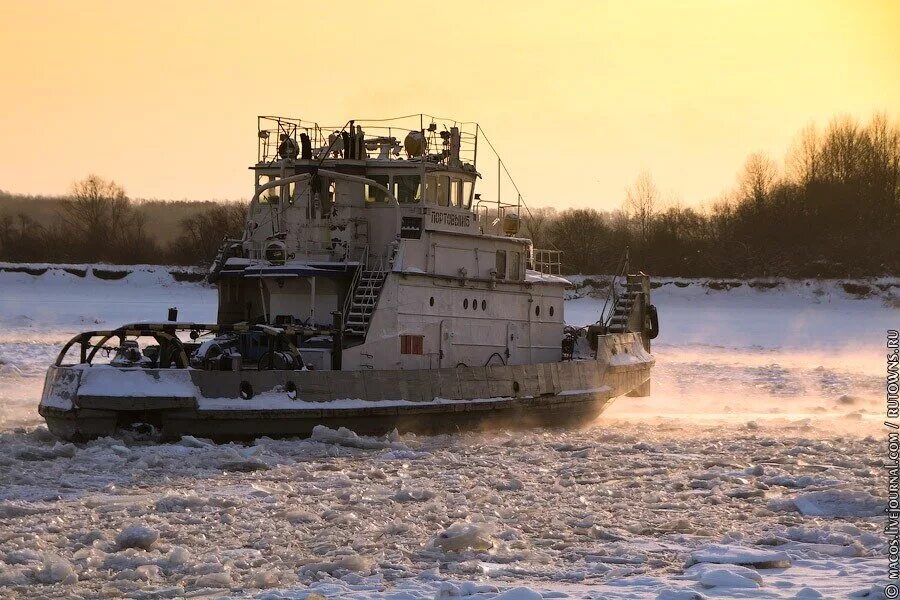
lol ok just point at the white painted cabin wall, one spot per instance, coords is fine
(468, 336)
(439, 253)
(293, 298)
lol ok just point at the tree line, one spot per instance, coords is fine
(97, 222)
(832, 209)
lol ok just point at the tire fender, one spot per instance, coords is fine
(654, 322)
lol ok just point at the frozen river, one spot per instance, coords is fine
(754, 470)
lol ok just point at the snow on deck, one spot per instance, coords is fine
(106, 380)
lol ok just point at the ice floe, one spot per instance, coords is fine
(741, 458)
(739, 555)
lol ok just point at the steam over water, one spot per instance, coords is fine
(760, 447)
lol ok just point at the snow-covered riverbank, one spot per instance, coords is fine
(752, 471)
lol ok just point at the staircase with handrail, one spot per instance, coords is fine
(366, 289)
(624, 306)
(628, 309)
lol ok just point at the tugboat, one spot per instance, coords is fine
(372, 289)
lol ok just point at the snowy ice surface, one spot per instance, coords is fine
(59, 302)
(760, 442)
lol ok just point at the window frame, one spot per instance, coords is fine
(395, 188)
(514, 265)
(501, 258)
(372, 194)
(443, 198)
(267, 196)
(455, 199)
(468, 186)
(412, 345)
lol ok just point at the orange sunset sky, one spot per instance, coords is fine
(579, 97)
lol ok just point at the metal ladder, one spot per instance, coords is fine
(623, 307)
(365, 296)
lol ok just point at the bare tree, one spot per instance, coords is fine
(758, 178)
(99, 221)
(803, 160)
(641, 201)
(582, 234)
(882, 161)
(536, 222)
(843, 148)
(203, 232)
(7, 236)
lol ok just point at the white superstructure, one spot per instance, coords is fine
(380, 223)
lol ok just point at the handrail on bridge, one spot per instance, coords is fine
(546, 262)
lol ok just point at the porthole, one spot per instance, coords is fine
(246, 390)
(551, 311)
(537, 310)
(484, 305)
(474, 303)
(431, 301)
(466, 303)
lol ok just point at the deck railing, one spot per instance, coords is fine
(382, 138)
(546, 262)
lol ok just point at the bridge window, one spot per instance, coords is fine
(271, 195)
(407, 188)
(412, 344)
(501, 264)
(442, 190)
(374, 194)
(454, 193)
(290, 191)
(515, 259)
(467, 187)
(329, 198)
(437, 190)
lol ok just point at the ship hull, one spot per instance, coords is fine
(81, 402)
(551, 411)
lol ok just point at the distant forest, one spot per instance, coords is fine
(831, 209)
(97, 222)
